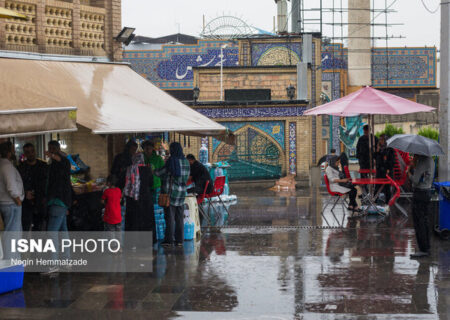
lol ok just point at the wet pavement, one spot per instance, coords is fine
(277, 257)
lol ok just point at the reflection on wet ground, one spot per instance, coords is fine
(278, 258)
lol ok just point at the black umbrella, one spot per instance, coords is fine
(415, 144)
(325, 158)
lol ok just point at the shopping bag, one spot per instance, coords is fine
(164, 200)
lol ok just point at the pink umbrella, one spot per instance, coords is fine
(368, 101)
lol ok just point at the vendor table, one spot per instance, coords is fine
(367, 171)
(191, 202)
(371, 198)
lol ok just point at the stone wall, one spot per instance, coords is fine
(411, 123)
(276, 79)
(63, 27)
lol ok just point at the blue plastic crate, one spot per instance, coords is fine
(159, 216)
(444, 206)
(160, 229)
(11, 277)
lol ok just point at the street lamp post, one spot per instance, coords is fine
(221, 70)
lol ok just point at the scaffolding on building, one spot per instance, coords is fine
(330, 18)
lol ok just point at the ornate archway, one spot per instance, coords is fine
(256, 155)
(278, 56)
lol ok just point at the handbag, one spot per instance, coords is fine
(164, 198)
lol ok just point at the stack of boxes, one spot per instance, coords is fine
(160, 222)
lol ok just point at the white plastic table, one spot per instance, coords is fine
(191, 203)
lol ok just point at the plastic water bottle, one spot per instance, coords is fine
(226, 190)
(203, 154)
(218, 172)
(189, 230)
(187, 215)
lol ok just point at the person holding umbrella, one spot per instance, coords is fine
(421, 174)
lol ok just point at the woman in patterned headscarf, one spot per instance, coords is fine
(175, 174)
(138, 192)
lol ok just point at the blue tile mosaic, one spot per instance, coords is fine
(293, 147)
(275, 129)
(252, 112)
(334, 78)
(406, 67)
(171, 67)
(261, 50)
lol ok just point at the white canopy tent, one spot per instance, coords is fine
(110, 98)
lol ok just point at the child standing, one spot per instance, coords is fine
(111, 197)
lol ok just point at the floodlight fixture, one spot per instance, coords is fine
(290, 91)
(196, 93)
(126, 35)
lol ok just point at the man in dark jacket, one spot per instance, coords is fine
(34, 176)
(199, 175)
(363, 152)
(59, 196)
(385, 159)
(59, 189)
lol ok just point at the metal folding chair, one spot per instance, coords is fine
(200, 199)
(219, 186)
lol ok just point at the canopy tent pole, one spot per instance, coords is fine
(371, 143)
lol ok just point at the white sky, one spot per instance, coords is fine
(159, 18)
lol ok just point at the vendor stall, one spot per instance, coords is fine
(111, 100)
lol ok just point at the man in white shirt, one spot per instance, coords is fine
(11, 191)
(11, 197)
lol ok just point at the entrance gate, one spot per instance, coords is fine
(253, 157)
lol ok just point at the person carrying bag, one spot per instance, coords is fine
(175, 175)
(164, 198)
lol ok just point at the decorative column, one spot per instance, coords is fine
(113, 25)
(293, 148)
(2, 28)
(359, 53)
(40, 26)
(76, 26)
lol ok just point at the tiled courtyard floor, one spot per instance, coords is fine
(277, 258)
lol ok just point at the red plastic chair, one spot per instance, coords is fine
(401, 163)
(347, 172)
(400, 174)
(397, 191)
(337, 195)
(219, 186)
